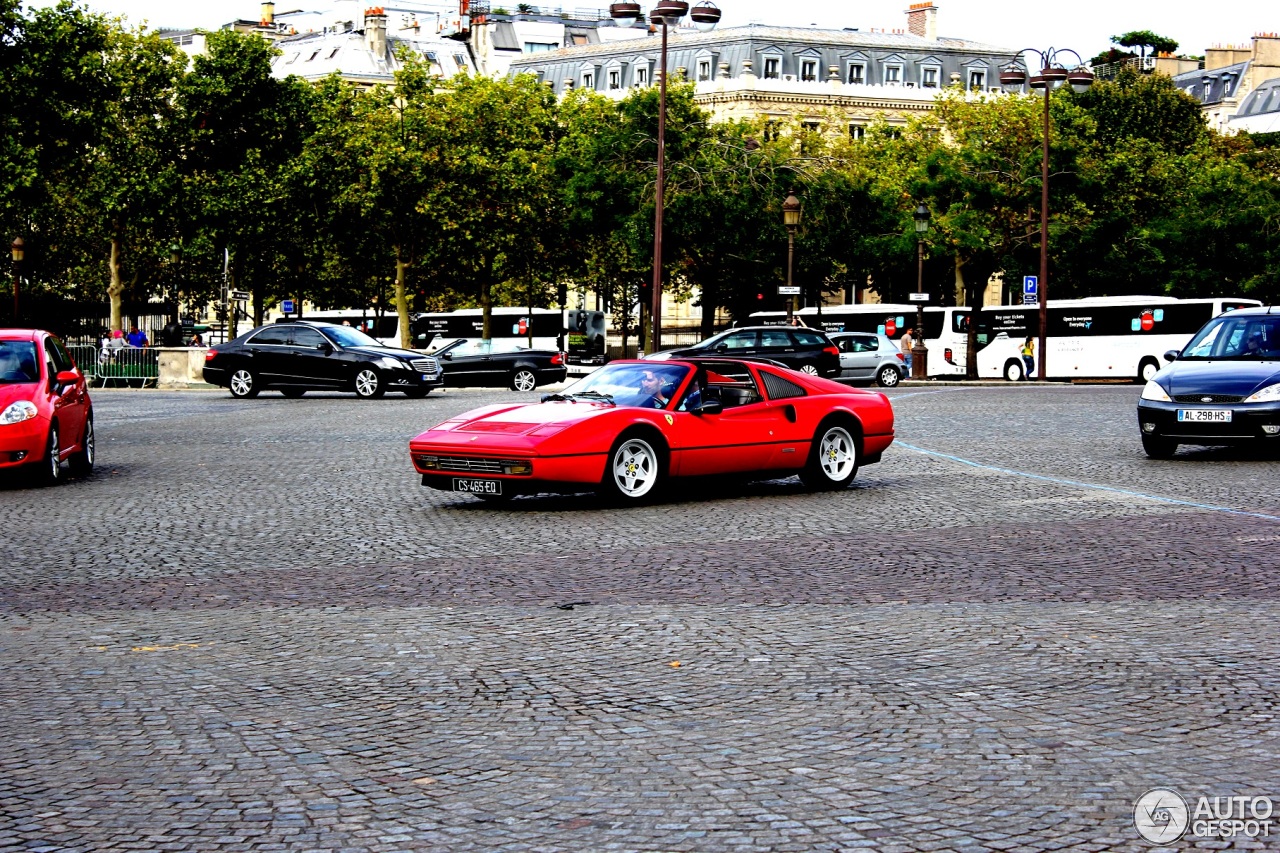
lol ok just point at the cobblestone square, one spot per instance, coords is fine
(251, 629)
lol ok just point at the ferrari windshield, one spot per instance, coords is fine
(629, 384)
(1237, 337)
(18, 362)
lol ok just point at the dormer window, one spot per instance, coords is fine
(857, 72)
(809, 70)
(977, 80)
(929, 78)
(642, 75)
(892, 75)
(615, 79)
(588, 80)
(772, 67)
(704, 69)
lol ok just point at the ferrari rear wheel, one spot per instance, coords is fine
(833, 461)
(634, 469)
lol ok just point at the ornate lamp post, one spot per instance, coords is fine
(18, 252)
(1052, 75)
(667, 13)
(791, 219)
(919, 352)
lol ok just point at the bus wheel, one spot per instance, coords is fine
(1013, 370)
(1147, 370)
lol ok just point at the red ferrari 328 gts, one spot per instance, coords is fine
(630, 426)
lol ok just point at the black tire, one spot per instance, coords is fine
(1014, 371)
(635, 469)
(1147, 369)
(416, 393)
(369, 382)
(50, 471)
(833, 458)
(888, 376)
(524, 380)
(293, 393)
(243, 383)
(1159, 448)
(82, 460)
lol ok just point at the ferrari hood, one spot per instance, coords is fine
(524, 419)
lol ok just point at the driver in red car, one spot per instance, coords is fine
(651, 394)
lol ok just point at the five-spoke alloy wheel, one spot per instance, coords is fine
(833, 461)
(634, 469)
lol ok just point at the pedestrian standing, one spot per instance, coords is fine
(907, 344)
(1029, 356)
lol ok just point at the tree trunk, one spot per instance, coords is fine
(486, 301)
(115, 289)
(402, 302)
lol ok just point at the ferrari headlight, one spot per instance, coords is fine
(1267, 395)
(23, 410)
(1153, 391)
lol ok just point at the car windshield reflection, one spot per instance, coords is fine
(348, 337)
(648, 385)
(1244, 337)
(18, 362)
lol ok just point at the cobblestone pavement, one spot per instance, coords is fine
(252, 629)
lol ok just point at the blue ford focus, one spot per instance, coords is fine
(1222, 388)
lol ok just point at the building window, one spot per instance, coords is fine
(892, 75)
(313, 55)
(977, 80)
(615, 79)
(704, 69)
(588, 80)
(642, 75)
(334, 52)
(856, 71)
(460, 60)
(811, 125)
(538, 47)
(809, 71)
(857, 131)
(579, 38)
(294, 58)
(771, 67)
(929, 78)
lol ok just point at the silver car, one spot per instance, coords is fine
(869, 357)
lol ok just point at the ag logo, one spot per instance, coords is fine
(1160, 816)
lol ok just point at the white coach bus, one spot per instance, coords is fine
(1101, 337)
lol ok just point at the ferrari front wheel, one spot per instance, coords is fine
(634, 469)
(833, 460)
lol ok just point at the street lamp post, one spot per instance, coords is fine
(18, 252)
(1052, 74)
(919, 352)
(791, 219)
(667, 13)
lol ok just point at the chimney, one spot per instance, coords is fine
(922, 20)
(268, 14)
(375, 31)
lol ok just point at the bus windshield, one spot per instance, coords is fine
(1244, 337)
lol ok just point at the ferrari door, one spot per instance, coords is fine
(737, 439)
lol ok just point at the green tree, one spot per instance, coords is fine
(1144, 40)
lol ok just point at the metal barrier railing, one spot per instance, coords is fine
(85, 356)
(127, 364)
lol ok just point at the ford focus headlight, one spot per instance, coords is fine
(23, 410)
(1153, 391)
(1267, 395)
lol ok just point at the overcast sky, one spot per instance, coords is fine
(1082, 25)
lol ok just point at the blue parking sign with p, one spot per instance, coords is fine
(1029, 285)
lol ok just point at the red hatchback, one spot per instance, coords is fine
(46, 417)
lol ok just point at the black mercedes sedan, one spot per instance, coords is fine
(807, 350)
(1222, 388)
(497, 363)
(298, 356)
